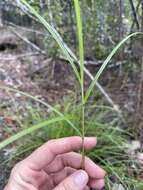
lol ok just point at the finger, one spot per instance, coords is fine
(46, 153)
(61, 175)
(76, 181)
(86, 188)
(73, 160)
(97, 184)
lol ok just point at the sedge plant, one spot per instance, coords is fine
(85, 95)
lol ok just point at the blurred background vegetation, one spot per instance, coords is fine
(31, 61)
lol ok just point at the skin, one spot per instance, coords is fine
(55, 166)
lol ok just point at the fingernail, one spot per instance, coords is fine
(80, 178)
(90, 138)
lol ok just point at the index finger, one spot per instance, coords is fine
(47, 152)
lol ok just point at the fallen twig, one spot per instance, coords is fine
(28, 29)
(101, 89)
(99, 63)
(19, 56)
(28, 42)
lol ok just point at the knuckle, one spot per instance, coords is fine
(15, 169)
(66, 186)
(51, 141)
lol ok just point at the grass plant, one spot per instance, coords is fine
(106, 134)
(79, 75)
(110, 152)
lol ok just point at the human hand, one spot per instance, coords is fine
(54, 166)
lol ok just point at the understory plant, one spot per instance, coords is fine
(111, 149)
(78, 126)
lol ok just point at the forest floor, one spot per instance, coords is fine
(28, 72)
(49, 80)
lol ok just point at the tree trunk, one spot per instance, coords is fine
(134, 21)
(134, 14)
(121, 32)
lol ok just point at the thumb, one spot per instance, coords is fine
(77, 181)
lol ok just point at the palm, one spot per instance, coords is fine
(50, 164)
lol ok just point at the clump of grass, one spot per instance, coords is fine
(110, 152)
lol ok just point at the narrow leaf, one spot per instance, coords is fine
(54, 34)
(42, 102)
(80, 38)
(90, 89)
(29, 131)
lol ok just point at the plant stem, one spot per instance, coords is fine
(81, 55)
(83, 134)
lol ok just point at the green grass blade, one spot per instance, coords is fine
(55, 35)
(81, 54)
(80, 38)
(6, 88)
(90, 89)
(29, 131)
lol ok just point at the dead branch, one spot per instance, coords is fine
(101, 89)
(28, 42)
(100, 62)
(28, 29)
(134, 14)
(19, 56)
(137, 9)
